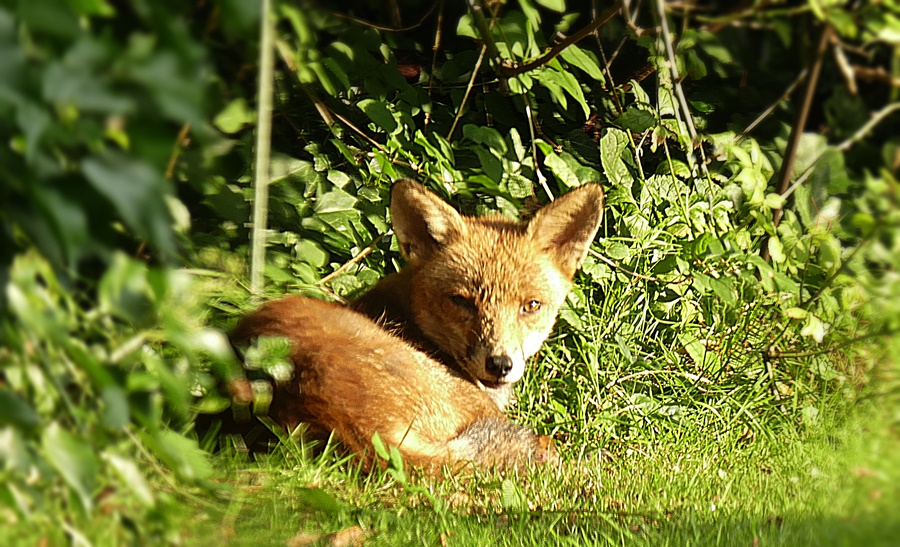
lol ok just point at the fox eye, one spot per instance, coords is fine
(463, 302)
(532, 306)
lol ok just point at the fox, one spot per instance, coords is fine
(428, 357)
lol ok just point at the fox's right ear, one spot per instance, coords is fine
(566, 227)
(423, 223)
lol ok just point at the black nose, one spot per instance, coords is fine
(498, 365)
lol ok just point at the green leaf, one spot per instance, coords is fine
(75, 461)
(776, 249)
(336, 201)
(485, 135)
(796, 313)
(577, 57)
(379, 447)
(131, 476)
(562, 169)
(319, 500)
(510, 496)
(555, 5)
(115, 414)
(466, 27)
(519, 187)
(92, 7)
(636, 120)
(490, 164)
(613, 145)
(136, 190)
(181, 455)
(15, 411)
(379, 113)
(705, 359)
(311, 253)
(234, 116)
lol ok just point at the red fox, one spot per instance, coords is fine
(428, 357)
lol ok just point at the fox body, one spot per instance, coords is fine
(427, 358)
(354, 378)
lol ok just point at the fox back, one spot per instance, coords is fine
(481, 294)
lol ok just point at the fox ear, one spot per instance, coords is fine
(423, 223)
(566, 227)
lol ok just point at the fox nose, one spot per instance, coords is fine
(498, 365)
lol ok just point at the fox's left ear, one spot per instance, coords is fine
(566, 227)
(423, 223)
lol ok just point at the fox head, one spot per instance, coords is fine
(486, 290)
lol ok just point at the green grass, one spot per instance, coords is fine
(708, 474)
(836, 484)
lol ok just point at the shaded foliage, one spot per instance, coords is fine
(713, 299)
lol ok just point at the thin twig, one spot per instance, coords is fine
(629, 272)
(176, 150)
(787, 167)
(784, 96)
(537, 168)
(350, 263)
(631, 18)
(676, 84)
(868, 126)
(509, 72)
(465, 98)
(845, 68)
(263, 144)
(607, 64)
(486, 32)
(790, 154)
(434, 56)
(876, 75)
(382, 28)
(358, 131)
(860, 133)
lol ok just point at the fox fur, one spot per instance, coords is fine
(428, 357)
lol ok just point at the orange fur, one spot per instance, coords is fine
(428, 357)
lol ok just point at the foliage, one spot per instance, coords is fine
(715, 300)
(101, 338)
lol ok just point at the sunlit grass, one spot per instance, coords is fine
(838, 483)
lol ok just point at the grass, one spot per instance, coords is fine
(836, 483)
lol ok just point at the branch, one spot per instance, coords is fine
(509, 72)
(349, 264)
